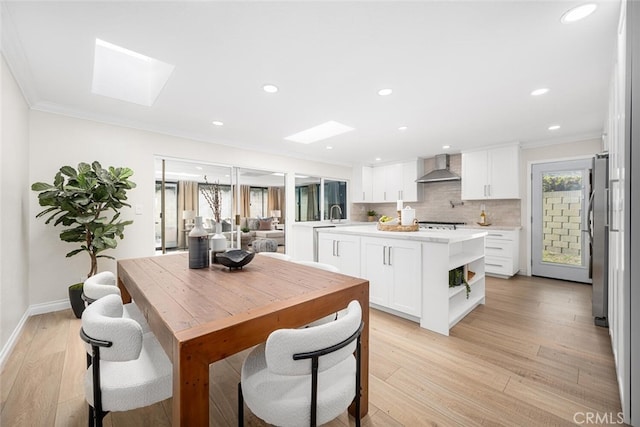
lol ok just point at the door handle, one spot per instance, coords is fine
(610, 207)
(606, 200)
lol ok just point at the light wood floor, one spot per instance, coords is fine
(531, 356)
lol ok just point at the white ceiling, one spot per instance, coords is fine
(461, 72)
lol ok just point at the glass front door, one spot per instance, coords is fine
(560, 220)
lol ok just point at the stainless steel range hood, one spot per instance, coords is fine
(441, 172)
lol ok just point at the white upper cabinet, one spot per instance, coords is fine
(362, 184)
(491, 174)
(387, 183)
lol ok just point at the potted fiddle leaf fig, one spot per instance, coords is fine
(86, 201)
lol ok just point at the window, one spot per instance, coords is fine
(171, 214)
(335, 194)
(315, 197)
(259, 201)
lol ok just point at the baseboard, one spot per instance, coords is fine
(48, 307)
(32, 310)
(11, 342)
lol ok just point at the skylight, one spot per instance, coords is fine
(320, 132)
(127, 75)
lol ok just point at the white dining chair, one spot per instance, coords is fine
(326, 267)
(277, 255)
(320, 265)
(104, 283)
(305, 376)
(127, 368)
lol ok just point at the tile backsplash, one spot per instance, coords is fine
(437, 199)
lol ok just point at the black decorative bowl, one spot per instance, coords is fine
(235, 258)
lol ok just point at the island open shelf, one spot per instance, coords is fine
(443, 306)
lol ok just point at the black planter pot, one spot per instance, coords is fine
(75, 297)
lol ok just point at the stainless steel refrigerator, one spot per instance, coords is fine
(599, 233)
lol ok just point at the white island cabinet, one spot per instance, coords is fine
(408, 272)
(392, 267)
(341, 251)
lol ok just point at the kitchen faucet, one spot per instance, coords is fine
(331, 212)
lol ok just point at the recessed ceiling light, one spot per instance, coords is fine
(446, 147)
(540, 91)
(554, 127)
(126, 75)
(270, 88)
(378, 159)
(328, 147)
(217, 123)
(578, 13)
(320, 132)
(385, 92)
(402, 128)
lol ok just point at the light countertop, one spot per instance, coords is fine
(436, 236)
(327, 223)
(491, 227)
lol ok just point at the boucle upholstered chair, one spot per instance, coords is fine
(278, 255)
(128, 369)
(104, 283)
(304, 376)
(320, 265)
(326, 267)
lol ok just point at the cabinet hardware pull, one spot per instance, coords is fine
(494, 247)
(337, 248)
(384, 255)
(389, 257)
(493, 265)
(495, 235)
(334, 248)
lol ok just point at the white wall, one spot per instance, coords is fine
(59, 140)
(14, 204)
(537, 154)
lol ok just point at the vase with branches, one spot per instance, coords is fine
(211, 193)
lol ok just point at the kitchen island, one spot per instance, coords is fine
(409, 272)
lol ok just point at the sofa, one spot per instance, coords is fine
(259, 228)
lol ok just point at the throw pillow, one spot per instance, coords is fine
(253, 223)
(265, 224)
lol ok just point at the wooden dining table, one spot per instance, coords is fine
(203, 315)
